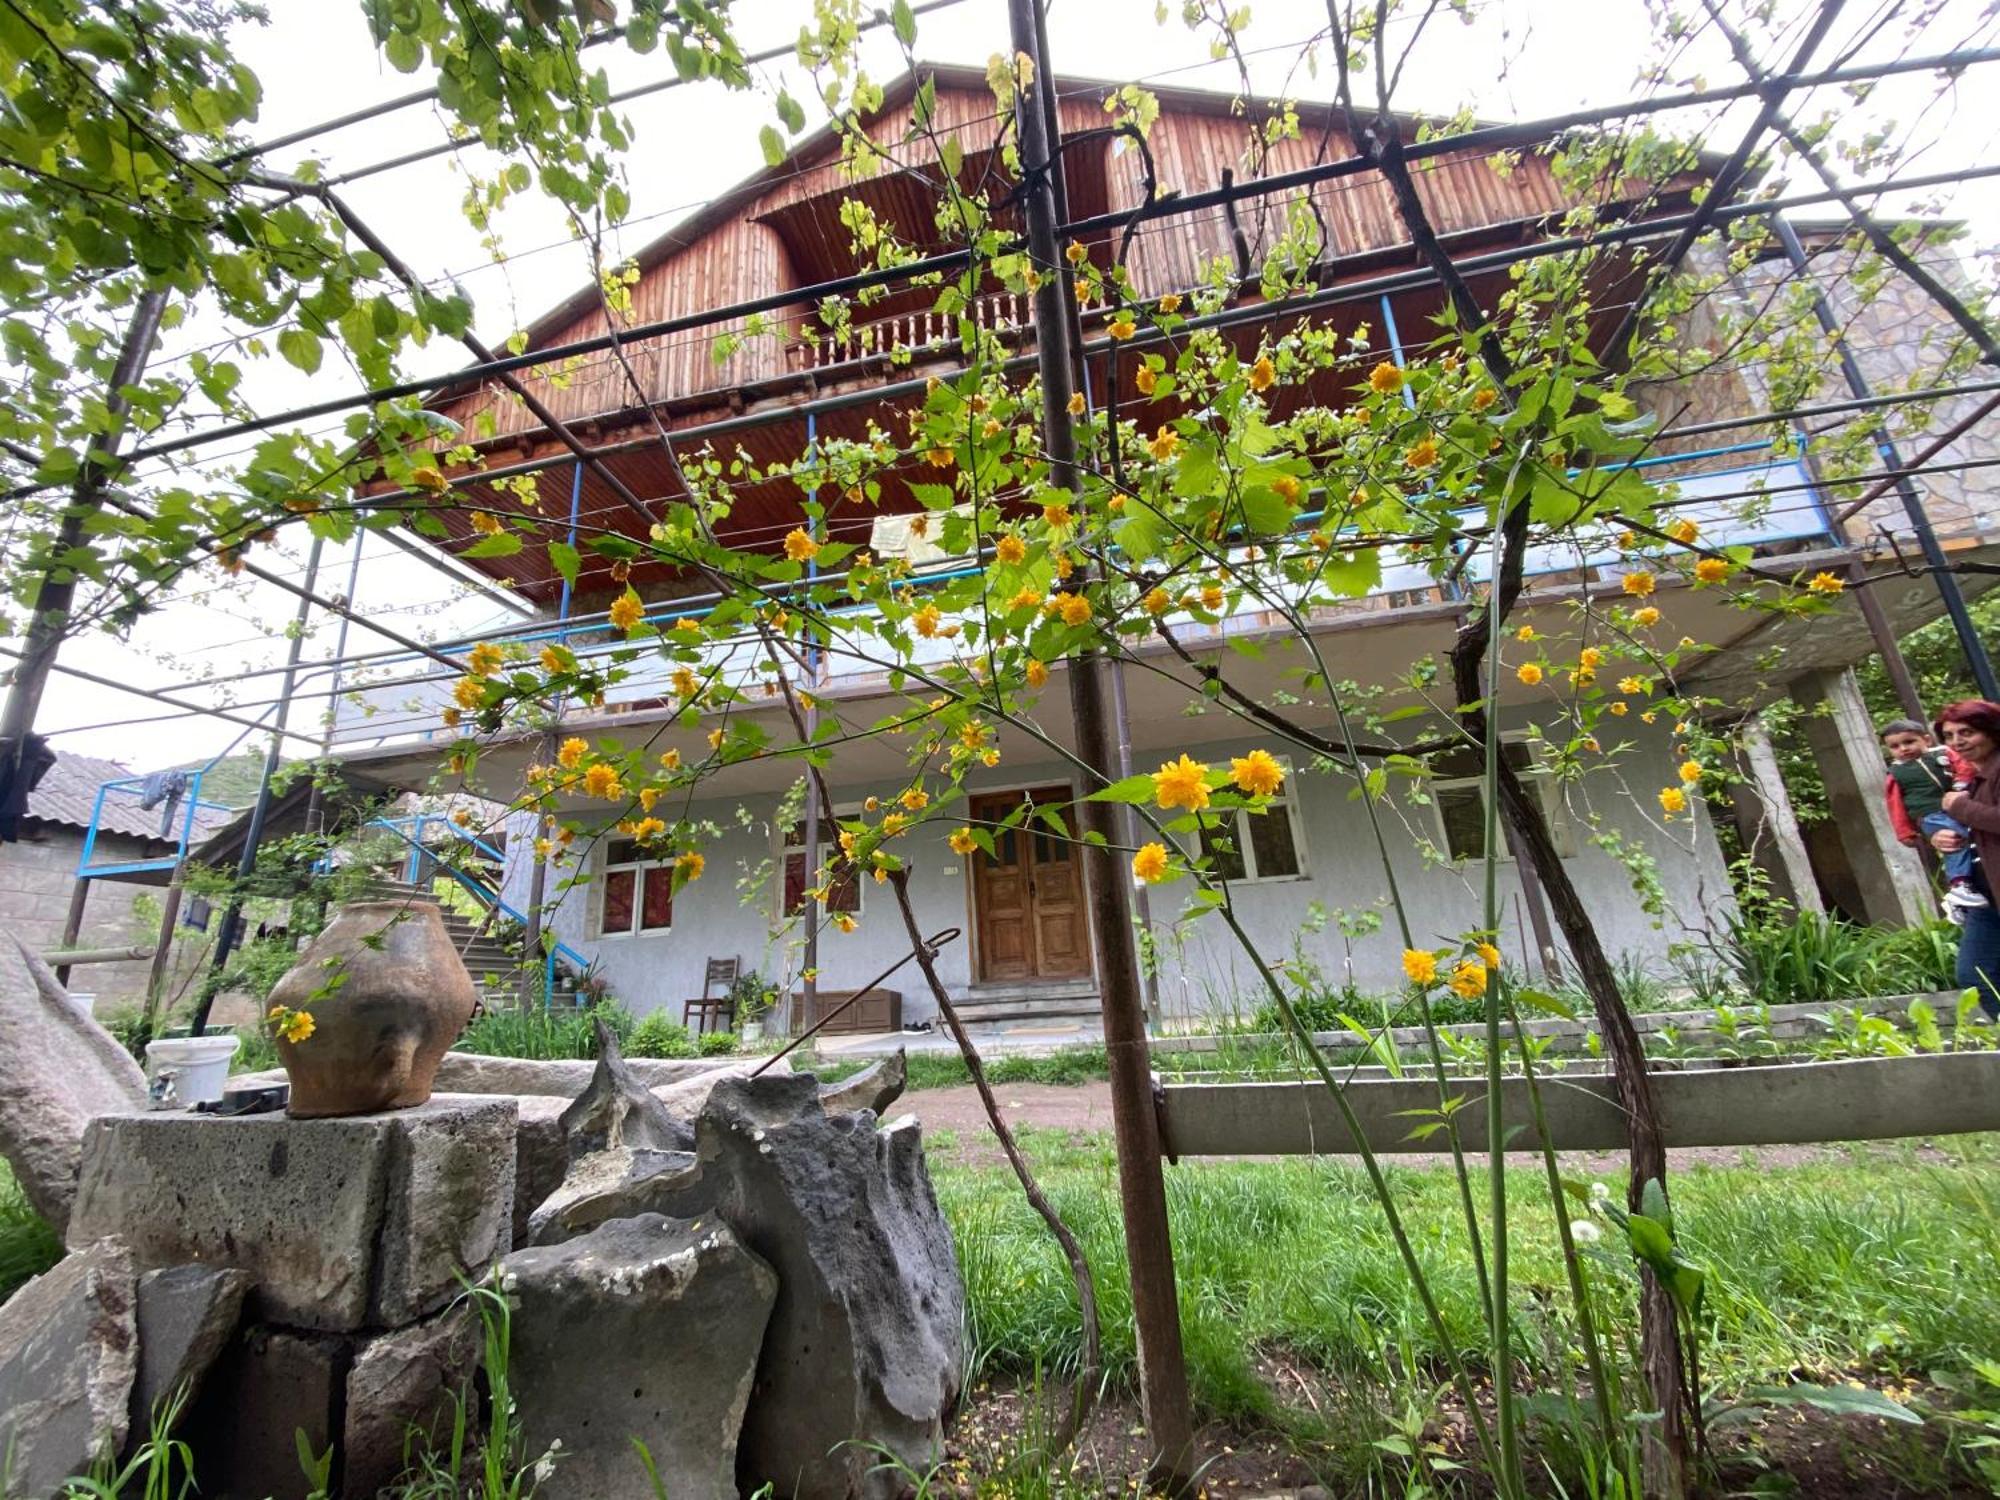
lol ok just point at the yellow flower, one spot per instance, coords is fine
(427, 479)
(1711, 570)
(1484, 398)
(452, 718)
(647, 828)
(670, 760)
(1468, 980)
(688, 625)
(1171, 303)
(1146, 380)
(1684, 531)
(693, 863)
(1075, 609)
(1164, 444)
(685, 682)
(601, 780)
(1037, 674)
(1526, 633)
(1150, 863)
(648, 795)
(715, 738)
(1287, 488)
(1690, 771)
(799, 545)
(1057, 516)
(1263, 374)
(842, 922)
(1825, 583)
(1156, 602)
(1076, 404)
(989, 758)
(1212, 597)
(926, 620)
(552, 660)
(1646, 617)
(1620, 709)
(1257, 773)
(470, 692)
(1638, 585)
(485, 523)
(915, 798)
(1026, 599)
(484, 659)
(1422, 454)
(1632, 685)
(961, 841)
(1182, 783)
(1010, 549)
(1672, 800)
(571, 755)
(1122, 326)
(1590, 657)
(937, 458)
(894, 824)
(1420, 965)
(1077, 253)
(1385, 378)
(973, 735)
(296, 1026)
(1488, 954)
(1529, 673)
(627, 611)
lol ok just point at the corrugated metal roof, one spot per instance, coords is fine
(68, 794)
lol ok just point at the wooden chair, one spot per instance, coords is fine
(697, 1014)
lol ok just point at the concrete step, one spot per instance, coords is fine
(1068, 1003)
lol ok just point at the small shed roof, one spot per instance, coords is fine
(67, 795)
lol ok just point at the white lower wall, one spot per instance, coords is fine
(733, 910)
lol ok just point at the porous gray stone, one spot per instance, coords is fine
(614, 1111)
(186, 1317)
(69, 1351)
(865, 1351)
(344, 1223)
(62, 1070)
(606, 1185)
(400, 1396)
(645, 1329)
(875, 1087)
(684, 1100)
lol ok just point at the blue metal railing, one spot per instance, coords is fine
(134, 787)
(411, 831)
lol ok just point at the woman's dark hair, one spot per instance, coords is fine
(1981, 714)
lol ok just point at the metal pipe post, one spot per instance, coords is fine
(1913, 501)
(1141, 1186)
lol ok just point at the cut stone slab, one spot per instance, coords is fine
(62, 1069)
(471, 1073)
(270, 1387)
(875, 1087)
(343, 1223)
(684, 1099)
(541, 1156)
(400, 1395)
(186, 1317)
(69, 1352)
(866, 1343)
(648, 1329)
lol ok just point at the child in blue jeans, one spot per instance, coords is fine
(1920, 773)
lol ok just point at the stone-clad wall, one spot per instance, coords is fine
(36, 876)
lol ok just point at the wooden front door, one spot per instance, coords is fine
(1027, 900)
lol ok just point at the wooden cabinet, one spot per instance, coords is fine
(876, 1010)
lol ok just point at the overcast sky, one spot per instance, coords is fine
(1516, 59)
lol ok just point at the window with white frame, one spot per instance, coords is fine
(844, 892)
(635, 892)
(1458, 793)
(1268, 845)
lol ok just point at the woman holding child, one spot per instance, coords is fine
(1971, 729)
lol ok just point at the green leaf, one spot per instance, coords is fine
(1542, 1001)
(1132, 790)
(565, 559)
(903, 22)
(1266, 511)
(500, 544)
(301, 349)
(1650, 1242)
(773, 145)
(1653, 1204)
(791, 112)
(404, 51)
(1845, 1399)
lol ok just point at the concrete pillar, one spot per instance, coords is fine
(1766, 822)
(1850, 760)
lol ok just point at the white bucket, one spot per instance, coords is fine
(200, 1063)
(84, 1001)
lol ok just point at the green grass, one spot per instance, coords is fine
(1876, 1261)
(28, 1246)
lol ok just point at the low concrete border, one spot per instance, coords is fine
(1864, 1099)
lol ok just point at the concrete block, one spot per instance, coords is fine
(270, 1390)
(344, 1223)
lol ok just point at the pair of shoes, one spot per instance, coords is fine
(1952, 914)
(1963, 896)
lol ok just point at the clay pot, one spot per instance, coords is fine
(403, 997)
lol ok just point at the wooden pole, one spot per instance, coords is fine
(170, 916)
(1141, 1186)
(79, 893)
